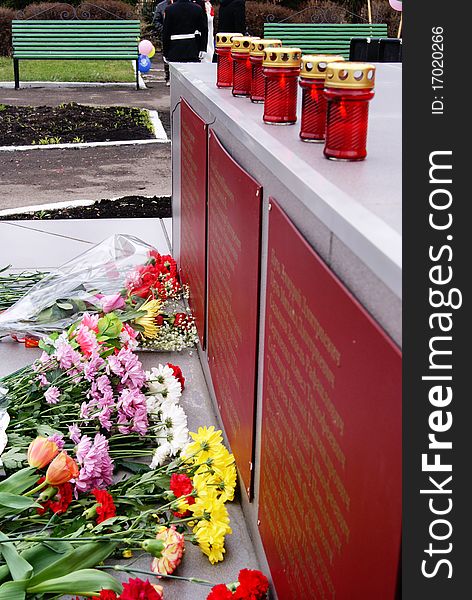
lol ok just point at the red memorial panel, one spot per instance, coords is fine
(194, 136)
(234, 224)
(330, 495)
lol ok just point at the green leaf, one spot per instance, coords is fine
(110, 325)
(108, 523)
(82, 557)
(82, 582)
(133, 467)
(13, 590)
(65, 305)
(20, 481)
(16, 502)
(19, 567)
(39, 556)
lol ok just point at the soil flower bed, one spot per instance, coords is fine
(71, 123)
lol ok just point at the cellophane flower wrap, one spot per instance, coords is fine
(62, 296)
(121, 274)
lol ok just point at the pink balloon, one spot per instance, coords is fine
(145, 47)
(396, 4)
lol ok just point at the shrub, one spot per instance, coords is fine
(324, 11)
(99, 9)
(6, 17)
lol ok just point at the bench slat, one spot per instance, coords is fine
(75, 40)
(62, 56)
(329, 38)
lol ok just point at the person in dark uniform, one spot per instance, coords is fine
(185, 32)
(158, 25)
(232, 16)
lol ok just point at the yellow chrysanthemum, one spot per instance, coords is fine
(216, 462)
(211, 539)
(206, 440)
(225, 484)
(148, 320)
(208, 507)
(182, 505)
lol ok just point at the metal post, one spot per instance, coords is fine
(16, 70)
(369, 12)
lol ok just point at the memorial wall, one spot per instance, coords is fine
(306, 382)
(194, 169)
(331, 431)
(234, 224)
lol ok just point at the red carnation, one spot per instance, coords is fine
(107, 595)
(181, 485)
(220, 592)
(105, 507)
(136, 589)
(60, 502)
(178, 374)
(253, 585)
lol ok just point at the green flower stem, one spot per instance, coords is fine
(154, 574)
(108, 538)
(38, 488)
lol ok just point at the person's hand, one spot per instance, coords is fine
(201, 55)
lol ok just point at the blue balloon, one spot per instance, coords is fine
(144, 63)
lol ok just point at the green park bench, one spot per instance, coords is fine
(320, 38)
(75, 40)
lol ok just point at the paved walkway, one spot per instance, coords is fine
(53, 175)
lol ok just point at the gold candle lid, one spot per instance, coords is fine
(258, 46)
(242, 44)
(314, 66)
(282, 57)
(225, 40)
(350, 75)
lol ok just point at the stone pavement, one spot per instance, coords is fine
(54, 175)
(38, 244)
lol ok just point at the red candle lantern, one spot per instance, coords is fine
(256, 56)
(241, 65)
(349, 87)
(312, 82)
(281, 67)
(224, 67)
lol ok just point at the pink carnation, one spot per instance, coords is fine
(87, 340)
(90, 321)
(96, 466)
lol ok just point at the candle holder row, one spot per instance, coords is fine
(335, 92)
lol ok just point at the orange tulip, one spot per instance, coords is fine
(41, 451)
(62, 469)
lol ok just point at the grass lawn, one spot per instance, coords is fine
(69, 70)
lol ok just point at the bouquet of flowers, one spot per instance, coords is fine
(89, 387)
(121, 274)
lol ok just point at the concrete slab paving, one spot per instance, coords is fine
(168, 227)
(48, 244)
